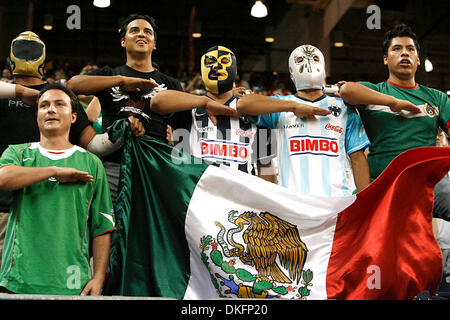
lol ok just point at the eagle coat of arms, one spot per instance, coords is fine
(272, 257)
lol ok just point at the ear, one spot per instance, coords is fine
(74, 117)
(385, 60)
(154, 45)
(122, 42)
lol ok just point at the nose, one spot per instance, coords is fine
(51, 108)
(217, 66)
(141, 33)
(405, 52)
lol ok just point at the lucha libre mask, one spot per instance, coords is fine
(219, 69)
(307, 67)
(27, 55)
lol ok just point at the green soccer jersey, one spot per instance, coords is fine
(52, 224)
(391, 134)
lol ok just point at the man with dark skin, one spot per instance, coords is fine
(394, 127)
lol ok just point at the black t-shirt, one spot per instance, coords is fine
(117, 103)
(18, 124)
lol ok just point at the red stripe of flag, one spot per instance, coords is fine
(383, 245)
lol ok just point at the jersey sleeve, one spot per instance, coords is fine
(370, 85)
(268, 120)
(444, 113)
(101, 211)
(10, 156)
(355, 135)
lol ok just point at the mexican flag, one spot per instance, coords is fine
(189, 230)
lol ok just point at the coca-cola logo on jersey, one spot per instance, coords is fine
(333, 128)
(244, 133)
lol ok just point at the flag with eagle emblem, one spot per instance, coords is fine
(189, 230)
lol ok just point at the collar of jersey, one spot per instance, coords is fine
(400, 86)
(318, 99)
(55, 154)
(226, 103)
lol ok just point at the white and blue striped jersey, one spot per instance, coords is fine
(313, 154)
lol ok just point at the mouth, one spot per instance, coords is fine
(218, 74)
(405, 62)
(141, 42)
(51, 119)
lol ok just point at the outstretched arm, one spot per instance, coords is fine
(256, 104)
(13, 177)
(85, 84)
(169, 101)
(356, 93)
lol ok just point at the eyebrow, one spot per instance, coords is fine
(47, 101)
(137, 28)
(401, 45)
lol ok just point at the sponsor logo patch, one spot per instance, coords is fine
(321, 146)
(331, 127)
(224, 150)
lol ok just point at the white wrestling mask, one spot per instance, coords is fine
(307, 67)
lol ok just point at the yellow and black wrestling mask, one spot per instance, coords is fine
(27, 55)
(219, 69)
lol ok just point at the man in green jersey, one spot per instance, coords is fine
(61, 206)
(393, 129)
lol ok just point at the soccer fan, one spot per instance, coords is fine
(229, 140)
(399, 114)
(61, 204)
(320, 156)
(18, 112)
(127, 90)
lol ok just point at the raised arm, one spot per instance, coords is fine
(356, 93)
(13, 177)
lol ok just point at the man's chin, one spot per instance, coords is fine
(405, 74)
